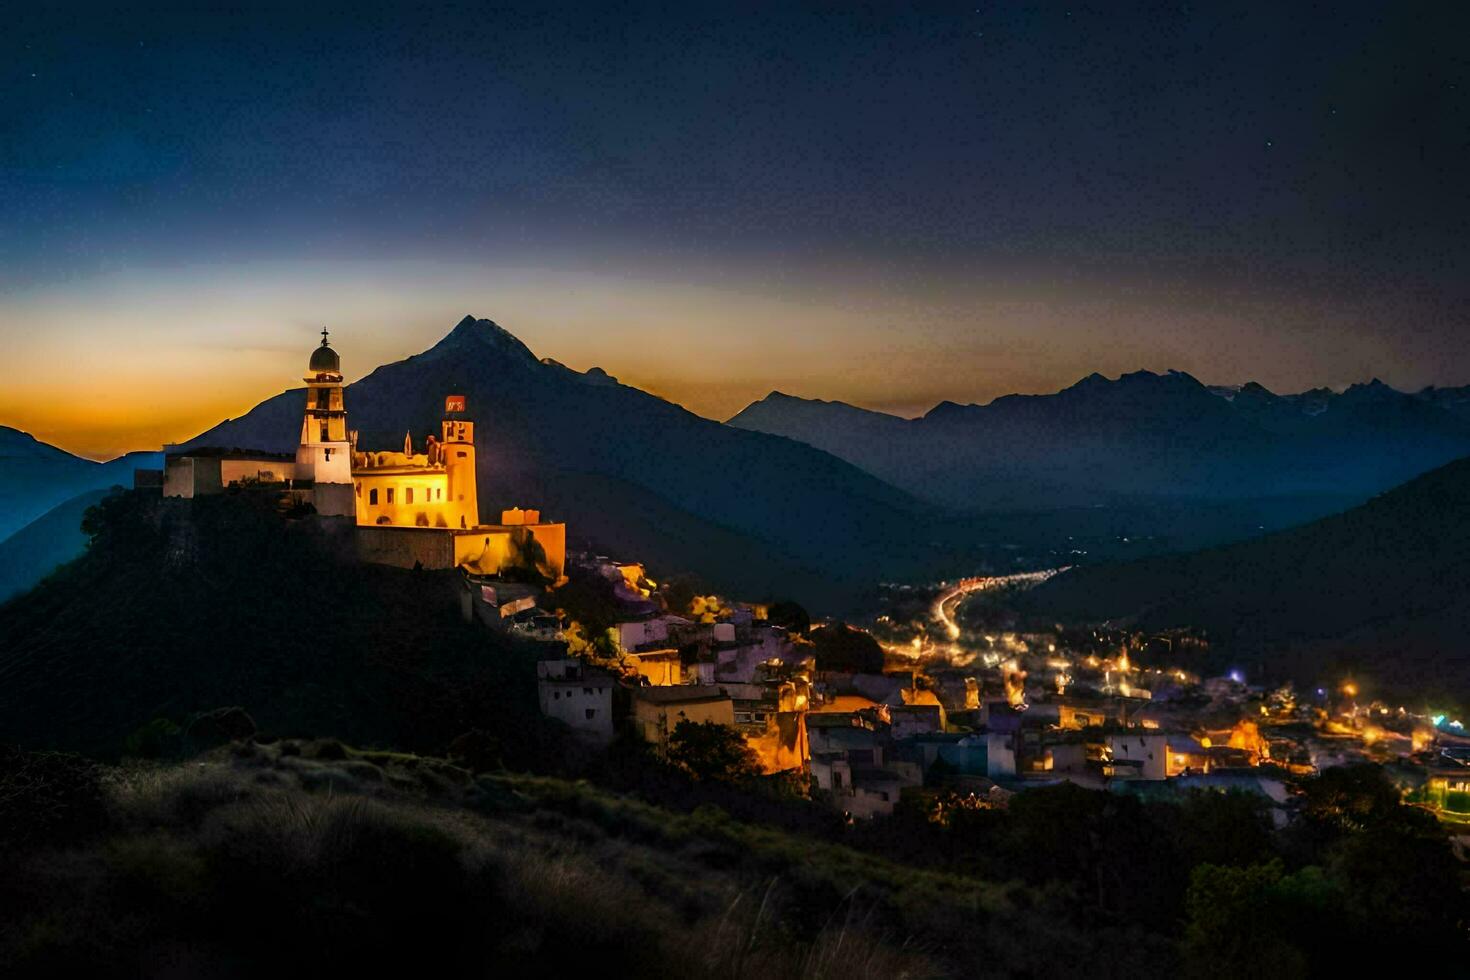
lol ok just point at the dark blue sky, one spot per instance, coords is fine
(1272, 190)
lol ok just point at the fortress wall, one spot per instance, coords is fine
(405, 546)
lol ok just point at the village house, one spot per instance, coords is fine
(658, 710)
(578, 695)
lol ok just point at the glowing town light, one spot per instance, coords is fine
(1350, 689)
(1237, 676)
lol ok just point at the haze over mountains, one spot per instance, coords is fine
(1143, 435)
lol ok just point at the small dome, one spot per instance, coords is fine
(325, 360)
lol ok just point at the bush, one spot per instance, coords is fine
(840, 647)
(711, 751)
(48, 798)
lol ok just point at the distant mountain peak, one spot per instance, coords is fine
(597, 376)
(1374, 390)
(947, 408)
(473, 337)
(15, 443)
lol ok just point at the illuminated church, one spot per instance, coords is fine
(411, 506)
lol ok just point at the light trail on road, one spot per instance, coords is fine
(984, 583)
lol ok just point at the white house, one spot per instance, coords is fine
(579, 695)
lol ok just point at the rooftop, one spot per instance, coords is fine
(680, 694)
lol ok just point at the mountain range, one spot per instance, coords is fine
(820, 501)
(1140, 436)
(35, 477)
(1379, 593)
(629, 472)
(44, 491)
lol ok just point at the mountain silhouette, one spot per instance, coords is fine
(1142, 435)
(36, 477)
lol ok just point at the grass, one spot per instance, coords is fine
(262, 859)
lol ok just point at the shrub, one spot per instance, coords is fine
(48, 798)
(711, 751)
(840, 647)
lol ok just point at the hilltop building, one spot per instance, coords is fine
(411, 507)
(324, 456)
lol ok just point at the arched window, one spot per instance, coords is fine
(408, 495)
(373, 496)
(390, 495)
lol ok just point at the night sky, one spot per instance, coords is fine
(886, 205)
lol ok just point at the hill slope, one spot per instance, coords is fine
(750, 512)
(185, 606)
(1381, 591)
(1104, 441)
(56, 537)
(35, 477)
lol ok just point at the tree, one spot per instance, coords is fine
(789, 615)
(840, 647)
(678, 595)
(1236, 925)
(708, 750)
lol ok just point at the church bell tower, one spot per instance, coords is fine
(325, 454)
(459, 463)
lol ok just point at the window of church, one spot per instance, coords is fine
(390, 495)
(372, 496)
(408, 495)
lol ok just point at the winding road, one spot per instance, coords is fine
(964, 587)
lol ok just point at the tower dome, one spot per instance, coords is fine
(324, 360)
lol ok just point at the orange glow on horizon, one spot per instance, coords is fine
(168, 352)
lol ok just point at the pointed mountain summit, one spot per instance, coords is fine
(474, 337)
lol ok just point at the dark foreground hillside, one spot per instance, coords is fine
(179, 607)
(296, 858)
(1380, 592)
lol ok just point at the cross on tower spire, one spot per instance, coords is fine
(324, 337)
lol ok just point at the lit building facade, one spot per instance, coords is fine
(433, 488)
(412, 507)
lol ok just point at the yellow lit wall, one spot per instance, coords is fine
(656, 721)
(405, 498)
(663, 668)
